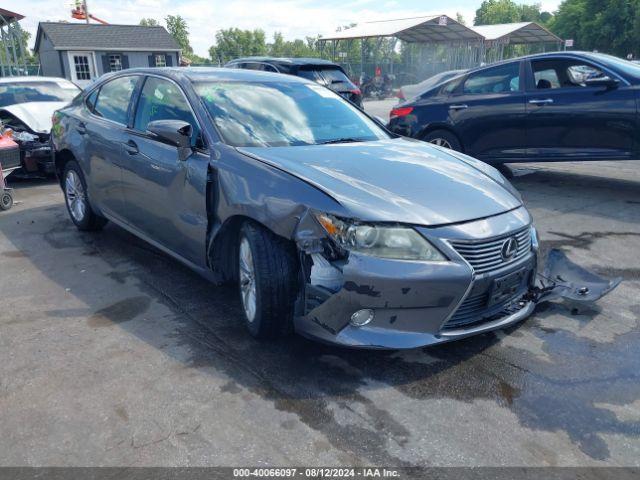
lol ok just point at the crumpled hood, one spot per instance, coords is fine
(394, 180)
(36, 115)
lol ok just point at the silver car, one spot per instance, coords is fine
(330, 225)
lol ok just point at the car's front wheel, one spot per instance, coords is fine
(267, 280)
(443, 138)
(75, 195)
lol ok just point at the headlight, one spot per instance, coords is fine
(535, 241)
(400, 243)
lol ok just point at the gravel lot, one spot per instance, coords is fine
(114, 354)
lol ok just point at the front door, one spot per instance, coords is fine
(568, 119)
(82, 66)
(166, 196)
(488, 112)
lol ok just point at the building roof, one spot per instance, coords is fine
(516, 33)
(91, 36)
(7, 16)
(429, 29)
(444, 29)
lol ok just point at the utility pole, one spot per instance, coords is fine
(86, 10)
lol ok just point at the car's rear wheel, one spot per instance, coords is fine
(267, 280)
(75, 194)
(6, 201)
(443, 138)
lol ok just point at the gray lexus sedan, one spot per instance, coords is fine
(331, 226)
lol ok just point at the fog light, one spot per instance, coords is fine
(362, 317)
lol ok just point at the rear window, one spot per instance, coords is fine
(325, 75)
(26, 92)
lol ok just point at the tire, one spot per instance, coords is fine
(6, 201)
(74, 187)
(268, 276)
(443, 138)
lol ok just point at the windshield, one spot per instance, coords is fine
(270, 114)
(25, 92)
(630, 68)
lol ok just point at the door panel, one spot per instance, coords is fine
(568, 120)
(104, 126)
(488, 112)
(166, 197)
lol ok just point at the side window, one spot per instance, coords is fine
(163, 100)
(91, 100)
(559, 73)
(501, 79)
(270, 68)
(113, 100)
(450, 87)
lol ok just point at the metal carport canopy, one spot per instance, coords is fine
(516, 33)
(431, 29)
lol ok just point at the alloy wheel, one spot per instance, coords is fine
(75, 195)
(247, 280)
(441, 142)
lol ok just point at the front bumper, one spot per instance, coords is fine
(415, 301)
(37, 158)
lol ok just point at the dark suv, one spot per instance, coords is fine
(321, 71)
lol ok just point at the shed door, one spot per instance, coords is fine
(83, 67)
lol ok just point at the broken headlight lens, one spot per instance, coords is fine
(393, 242)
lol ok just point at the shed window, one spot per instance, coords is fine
(115, 63)
(161, 61)
(81, 64)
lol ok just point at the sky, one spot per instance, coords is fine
(293, 18)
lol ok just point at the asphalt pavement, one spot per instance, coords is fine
(114, 354)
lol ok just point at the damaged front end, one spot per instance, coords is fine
(359, 300)
(35, 147)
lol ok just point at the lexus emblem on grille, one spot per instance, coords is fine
(509, 249)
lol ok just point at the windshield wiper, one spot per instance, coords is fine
(342, 140)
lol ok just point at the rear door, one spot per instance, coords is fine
(166, 196)
(488, 113)
(566, 119)
(102, 131)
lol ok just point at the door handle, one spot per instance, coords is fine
(81, 128)
(458, 107)
(541, 101)
(131, 147)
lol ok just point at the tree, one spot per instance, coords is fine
(611, 26)
(149, 22)
(179, 30)
(233, 43)
(492, 12)
(460, 18)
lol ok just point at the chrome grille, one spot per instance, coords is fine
(485, 256)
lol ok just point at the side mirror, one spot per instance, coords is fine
(174, 132)
(607, 82)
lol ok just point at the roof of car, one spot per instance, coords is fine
(285, 60)
(33, 79)
(200, 74)
(573, 53)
